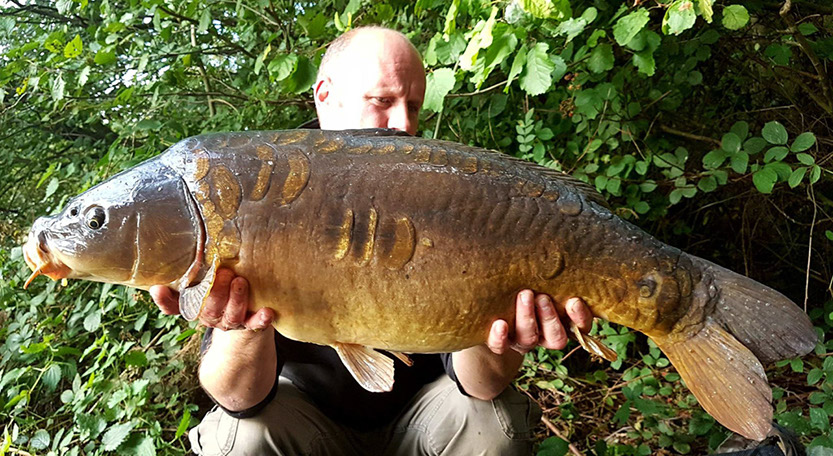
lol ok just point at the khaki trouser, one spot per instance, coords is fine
(439, 421)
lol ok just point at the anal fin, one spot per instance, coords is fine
(402, 357)
(592, 345)
(373, 370)
(725, 377)
(192, 299)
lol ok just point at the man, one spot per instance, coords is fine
(456, 403)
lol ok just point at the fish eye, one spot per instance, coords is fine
(73, 212)
(95, 217)
(647, 287)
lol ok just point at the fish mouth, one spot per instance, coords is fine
(39, 259)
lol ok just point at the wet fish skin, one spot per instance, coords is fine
(371, 239)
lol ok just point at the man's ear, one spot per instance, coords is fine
(322, 90)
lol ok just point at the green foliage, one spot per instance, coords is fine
(710, 133)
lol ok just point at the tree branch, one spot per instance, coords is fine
(824, 80)
(683, 134)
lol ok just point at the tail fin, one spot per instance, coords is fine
(727, 379)
(762, 319)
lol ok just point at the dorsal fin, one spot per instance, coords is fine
(376, 132)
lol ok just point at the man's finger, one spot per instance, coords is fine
(261, 319)
(498, 340)
(526, 326)
(165, 298)
(553, 335)
(215, 305)
(579, 313)
(238, 304)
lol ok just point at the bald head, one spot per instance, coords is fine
(370, 77)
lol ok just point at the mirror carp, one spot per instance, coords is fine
(368, 239)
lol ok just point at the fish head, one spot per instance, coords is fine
(139, 228)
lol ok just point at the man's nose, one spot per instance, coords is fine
(399, 119)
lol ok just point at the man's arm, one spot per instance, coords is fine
(485, 371)
(239, 368)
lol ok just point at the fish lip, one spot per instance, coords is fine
(41, 261)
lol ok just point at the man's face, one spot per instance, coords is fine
(374, 84)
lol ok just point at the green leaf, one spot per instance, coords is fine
(136, 358)
(740, 161)
(83, 76)
(205, 20)
(776, 153)
(803, 142)
(73, 48)
(593, 40)
(148, 124)
(730, 143)
(807, 28)
(116, 435)
(282, 66)
(548, 9)
(537, 75)
(829, 234)
(735, 17)
(517, 66)
(707, 184)
(40, 440)
(775, 133)
(438, 83)
(819, 419)
(601, 59)
(58, 86)
(741, 129)
(764, 180)
(679, 17)
(805, 159)
(51, 187)
(103, 57)
(644, 62)
(261, 58)
(52, 376)
(138, 445)
(754, 145)
(705, 8)
(571, 28)
(92, 321)
(815, 173)
(796, 176)
(628, 26)
(714, 158)
(553, 446)
(183, 424)
(814, 376)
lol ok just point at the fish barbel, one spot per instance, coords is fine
(367, 239)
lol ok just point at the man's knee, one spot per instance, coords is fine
(451, 422)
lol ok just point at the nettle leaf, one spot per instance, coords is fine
(628, 26)
(438, 83)
(775, 133)
(40, 440)
(679, 17)
(537, 75)
(52, 376)
(803, 142)
(601, 59)
(116, 435)
(735, 17)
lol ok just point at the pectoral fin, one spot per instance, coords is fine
(191, 299)
(592, 345)
(373, 370)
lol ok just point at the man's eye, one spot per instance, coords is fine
(382, 100)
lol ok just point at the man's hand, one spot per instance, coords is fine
(227, 305)
(537, 322)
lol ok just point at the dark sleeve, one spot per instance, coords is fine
(449, 369)
(253, 410)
